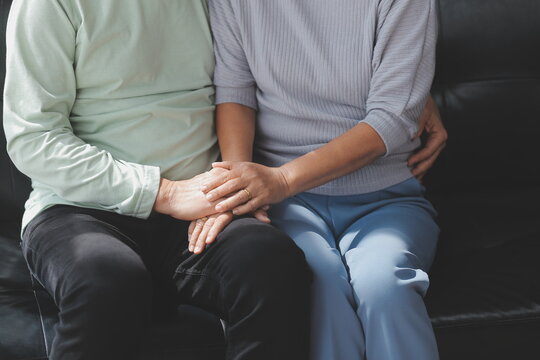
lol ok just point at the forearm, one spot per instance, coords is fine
(235, 126)
(351, 151)
(269, 185)
(81, 173)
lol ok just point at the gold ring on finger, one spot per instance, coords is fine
(247, 193)
(203, 219)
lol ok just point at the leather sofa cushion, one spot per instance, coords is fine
(487, 267)
(484, 298)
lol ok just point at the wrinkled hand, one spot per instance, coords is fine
(184, 199)
(204, 231)
(249, 186)
(431, 123)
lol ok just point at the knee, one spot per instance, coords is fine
(275, 255)
(264, 253)
(386, 287)
(109, 277)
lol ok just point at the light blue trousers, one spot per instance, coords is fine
(369, 254)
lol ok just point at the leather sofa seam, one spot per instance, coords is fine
(488, 323)
(487, 80)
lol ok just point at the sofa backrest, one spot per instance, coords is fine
(14, 187)
(488, 87)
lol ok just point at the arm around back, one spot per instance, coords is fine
(403, 65)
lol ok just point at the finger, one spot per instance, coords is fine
(422, 123)
(221, 222)
(200, 243)
(191, 228)
(430, 118)
(215, 171)
(423, 166)
(195, 235)
(216, 181)
(223, 164)
(433, 145)
(419, 174)
(236, 200)
(246, 208)
(223, 190)
(261, 215)
(420, 156)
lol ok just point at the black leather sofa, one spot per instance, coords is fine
(484, 300)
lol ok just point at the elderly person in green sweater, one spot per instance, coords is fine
(108, 108)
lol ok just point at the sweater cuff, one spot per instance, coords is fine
(149, 190)
(242, 95)
(390, 128)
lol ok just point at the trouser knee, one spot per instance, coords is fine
(261, 264)
(390, 291)
(270, 256)
(108, 281)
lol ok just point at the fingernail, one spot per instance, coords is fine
(219, 207)
(197, 249)
(210, 197)
(204, 188)
(190, 248)
(235, 212)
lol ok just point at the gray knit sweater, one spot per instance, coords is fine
(316, 68)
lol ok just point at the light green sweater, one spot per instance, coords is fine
(104, 97)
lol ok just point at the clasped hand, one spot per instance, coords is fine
(237, 188)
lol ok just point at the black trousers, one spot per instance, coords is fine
(104, 270)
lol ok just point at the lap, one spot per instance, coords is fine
(64, 245)
(247, 250)
(390, 225)
(400, 231)
(248, 257)
(311, 232)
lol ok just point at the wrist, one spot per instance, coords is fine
(242, 157)
(287, 180)
(163, 198)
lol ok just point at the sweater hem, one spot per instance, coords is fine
(358, 188)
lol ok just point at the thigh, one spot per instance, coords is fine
(64, 244)
(398, 232)
(244, 256)
(303, 219)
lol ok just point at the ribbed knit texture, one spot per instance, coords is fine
(316, 68)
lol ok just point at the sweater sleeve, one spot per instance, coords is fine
(232, 78)
(39, 93)
(402, 69)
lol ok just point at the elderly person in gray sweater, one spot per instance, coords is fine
(325, 99)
